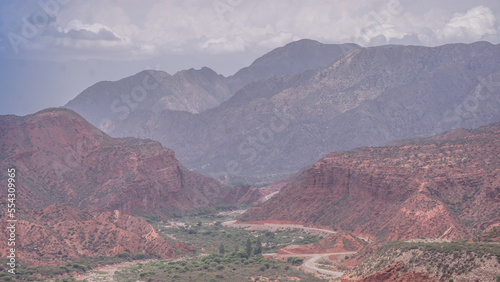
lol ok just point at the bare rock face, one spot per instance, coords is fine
(438, 187)
(58, 233)
(491, 234)
(61, 158)
(392, 273)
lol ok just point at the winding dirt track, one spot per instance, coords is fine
(106, 272)
(309, 265)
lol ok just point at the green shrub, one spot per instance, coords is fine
(297, 261)
(124, 255)
(139, 256)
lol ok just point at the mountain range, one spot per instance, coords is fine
(366, 138)
(279, 122)
(195, 90)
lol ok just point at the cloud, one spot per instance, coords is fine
(470, 26)
(130, 30)
(223, 45)
(78, 31)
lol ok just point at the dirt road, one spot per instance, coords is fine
(106, 272)
(310, 265)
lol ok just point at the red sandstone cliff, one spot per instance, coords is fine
(61, 158)
(58, 233)
(442, 187)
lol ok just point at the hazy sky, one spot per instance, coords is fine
(51, 50)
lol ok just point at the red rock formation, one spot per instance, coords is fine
(392, 274)
(438, 187)
(59, 232)
(492, 234)
(183, 247)
(61, 158)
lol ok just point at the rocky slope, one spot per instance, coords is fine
(61, 158)
(393, 273)
(440, 187)
(58, 233)
(437, 261)
(293, 58)
(366, 97)
(491, 234)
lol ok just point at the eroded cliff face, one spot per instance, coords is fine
(441, 187)
(392, 273)
(61, 158)
(58, 233)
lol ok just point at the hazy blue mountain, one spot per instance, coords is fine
(365, 97)
(195, 90)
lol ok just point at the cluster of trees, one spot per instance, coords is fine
(249, 249)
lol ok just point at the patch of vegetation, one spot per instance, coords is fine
(233, 266)
(80, 265)
(206, 234)
(295, 260)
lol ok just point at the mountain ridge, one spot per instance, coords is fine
(366, 97)
(193, 90)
